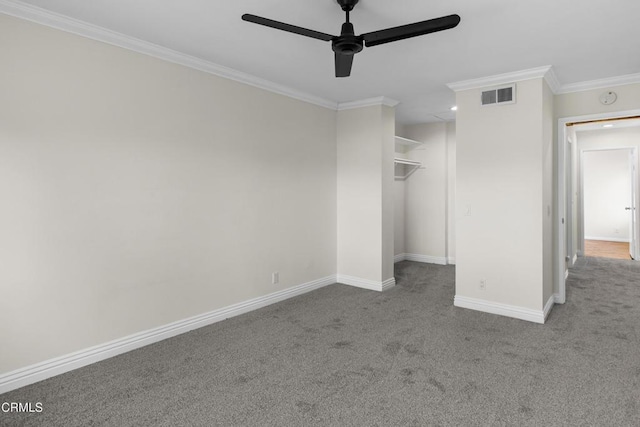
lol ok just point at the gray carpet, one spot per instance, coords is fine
(343, 356)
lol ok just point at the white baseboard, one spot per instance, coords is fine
(557, 299)
(372, 285)
(536, 316)
(388, 284)
(426, 259)
(574, 259)
(41, 371)
(547, 307)
(607, 239)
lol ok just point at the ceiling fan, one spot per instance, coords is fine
(348, 44)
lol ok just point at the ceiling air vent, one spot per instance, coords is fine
(501, 95)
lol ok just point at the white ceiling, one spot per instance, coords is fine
(583, 41)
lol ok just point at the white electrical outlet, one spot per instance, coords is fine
(275, 277)
(483, 284)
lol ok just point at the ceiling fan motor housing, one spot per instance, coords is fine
(347, 43)
(347, 5)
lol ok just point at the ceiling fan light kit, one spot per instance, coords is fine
(347, 44)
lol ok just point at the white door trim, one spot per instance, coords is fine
(561, 196)
(634, 237)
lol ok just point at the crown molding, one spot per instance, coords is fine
(499, 79)
(369, 102)
(60, 22)
(41, 16)
(600, 83)
(552, 80)
(549, 75)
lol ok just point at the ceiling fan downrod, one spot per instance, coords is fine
(347, 43)
(347, 5)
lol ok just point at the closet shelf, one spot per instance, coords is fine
(406, 162)
(405, 167)
(407, 142)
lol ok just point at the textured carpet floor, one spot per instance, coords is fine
(343, 356)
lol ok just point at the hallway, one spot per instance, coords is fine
(605, 249)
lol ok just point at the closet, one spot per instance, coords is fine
(404, 167)
(424, 193)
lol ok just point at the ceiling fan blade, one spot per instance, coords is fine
(286, 27)
(411, 30)
(343, 64)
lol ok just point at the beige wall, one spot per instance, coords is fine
(451, 192)
(387, 141)
(365, 202)
(398, 215)
(500, 195)
(588, 102)
(138, 192)
(548, 201)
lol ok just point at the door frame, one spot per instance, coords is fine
(563, 224)
(634, 245)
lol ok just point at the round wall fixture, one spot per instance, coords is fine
(608, 98)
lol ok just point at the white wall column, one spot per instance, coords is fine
(503, 199)
(365, 146)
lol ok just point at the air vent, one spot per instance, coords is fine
(501, 95)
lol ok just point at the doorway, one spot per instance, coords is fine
(605, 195)
(570, 222)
